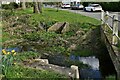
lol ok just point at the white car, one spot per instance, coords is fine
(78, 6)
(93, 7)
(65, 6)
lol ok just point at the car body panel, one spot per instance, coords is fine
(93, 7)
(80, 6)
(65, 6)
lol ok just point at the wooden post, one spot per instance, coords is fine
(115, 31)
(106, 19)
(102, 17)
(113, 20)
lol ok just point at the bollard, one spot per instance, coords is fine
(75, 68)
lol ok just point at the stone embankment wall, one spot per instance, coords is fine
(44, 65)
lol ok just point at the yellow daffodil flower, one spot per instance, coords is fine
(8, 52)
(13, 51)
(14, 63)
(14, 54)
(4, 51)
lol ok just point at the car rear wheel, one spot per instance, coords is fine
(84, 9)
(91, 10)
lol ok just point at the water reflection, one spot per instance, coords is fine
(92, 72)
(91, 61)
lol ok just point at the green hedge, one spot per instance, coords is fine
(113, 6)
(107, 6)
(12, 5)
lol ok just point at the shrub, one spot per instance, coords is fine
(113, 6)
(5, 6)
(12, 5)
(6, 13)
(42, 35)
(26, 55)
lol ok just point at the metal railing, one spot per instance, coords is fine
(111, 29)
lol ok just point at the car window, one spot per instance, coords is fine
(96, 5)
(91, 5)
(67, 4)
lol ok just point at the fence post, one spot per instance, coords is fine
(102, 17)
(106, 19)
(115, 30)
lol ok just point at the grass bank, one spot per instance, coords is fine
(49, 17)
(22, 73)
(24, 24)
(31, 32)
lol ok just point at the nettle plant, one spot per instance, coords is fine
(7, 60)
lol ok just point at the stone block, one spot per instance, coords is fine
(66, 28)
(75, 68)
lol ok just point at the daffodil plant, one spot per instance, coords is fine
(7, 60)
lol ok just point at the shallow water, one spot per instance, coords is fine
(92, 72)
(91, 61)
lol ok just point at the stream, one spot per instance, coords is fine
(92, 72)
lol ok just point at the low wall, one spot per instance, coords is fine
(44, 65)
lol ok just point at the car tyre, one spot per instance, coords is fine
(84, 9)
(91, 10)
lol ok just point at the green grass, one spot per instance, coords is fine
(68, 16)
(26, 55)
(83, 53)
(22, 12)
(61, 15)
(5, 36)
(111, 77)
(21, 72)
(50, 16)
